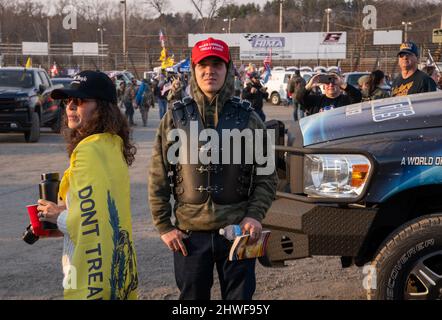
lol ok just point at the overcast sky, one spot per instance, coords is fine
(185, 5)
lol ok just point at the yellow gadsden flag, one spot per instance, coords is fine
(166, 60)
(28, 63)
(102, 264)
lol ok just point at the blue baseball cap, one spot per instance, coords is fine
(409, 47)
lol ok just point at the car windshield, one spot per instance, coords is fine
(16, 78)
(64, 82)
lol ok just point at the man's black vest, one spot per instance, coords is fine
(224, 183)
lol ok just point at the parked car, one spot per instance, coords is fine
(277, 86)
(353, 77)
(25, 102)
(65, 82)
(120, 76)
(364, 182)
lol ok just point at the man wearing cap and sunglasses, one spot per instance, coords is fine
(208, 196)
(411, 80)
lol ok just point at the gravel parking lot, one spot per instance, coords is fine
(34, 272)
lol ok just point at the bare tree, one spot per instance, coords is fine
(160, 6)
(207, 10)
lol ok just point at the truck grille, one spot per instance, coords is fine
(6, 101)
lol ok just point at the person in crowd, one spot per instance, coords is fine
(176, 93)
(208, 197)
(375, 87)
(163, 88)
(144, 100)
(120, 94)
(293, 85)
(411, 80)
(432, 71)
(93, 212)
(333, 96)
(129, 101)
(238, 86)
(256, 93)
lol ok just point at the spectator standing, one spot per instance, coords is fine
(295, 83)
(176, 93)
(375, 87)
(333, 97)
(237, 84)
(256, 93)
(144, 100)
(411, 80)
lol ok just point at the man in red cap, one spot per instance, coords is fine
(211, 196)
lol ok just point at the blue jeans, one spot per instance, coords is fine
(162, 106)
(194, 273)
(298, 113)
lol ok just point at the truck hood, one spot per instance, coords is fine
(392, 114)
(8, 92)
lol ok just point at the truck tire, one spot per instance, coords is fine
(275, 99)
(408, 265)
(33, 135)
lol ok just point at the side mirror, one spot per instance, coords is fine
(41, 88)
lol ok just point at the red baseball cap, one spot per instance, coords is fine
(208, 48)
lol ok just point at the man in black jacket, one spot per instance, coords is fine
(255, 93)
(333, 96)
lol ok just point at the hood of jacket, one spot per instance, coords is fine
(218, 101)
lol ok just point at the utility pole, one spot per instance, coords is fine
(101, 29)
(280, 16)
(229, 28)
(49, 42)
(124, 34)
(406, 24)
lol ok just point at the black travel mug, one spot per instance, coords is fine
(48, 187)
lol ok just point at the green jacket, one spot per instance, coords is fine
(207, 216)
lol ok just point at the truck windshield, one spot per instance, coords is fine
(16, 78)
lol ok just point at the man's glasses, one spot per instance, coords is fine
(402, 55)
(76, 101)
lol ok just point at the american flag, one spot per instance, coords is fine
(162, 38)
(267, 66)
(268, 59)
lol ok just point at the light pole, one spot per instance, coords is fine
(280, 15)
(123, 2)
(328, 11)
(406, 24)
(230, 23)
(48, 26)
(101, 30)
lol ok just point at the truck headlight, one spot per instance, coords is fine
(335, 175)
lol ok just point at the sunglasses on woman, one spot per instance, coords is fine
(76, 101)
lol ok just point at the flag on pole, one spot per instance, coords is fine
(267, 66)
(162, 39)
(163, 54)
(28, 63)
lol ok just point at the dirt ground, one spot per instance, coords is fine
(34, 272)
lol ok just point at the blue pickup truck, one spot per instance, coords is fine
(364, 182)
(25, 102)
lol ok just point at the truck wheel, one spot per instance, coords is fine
(275, 99)
(34, 134)
(408, 265)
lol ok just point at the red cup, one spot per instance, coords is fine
(37, 226)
